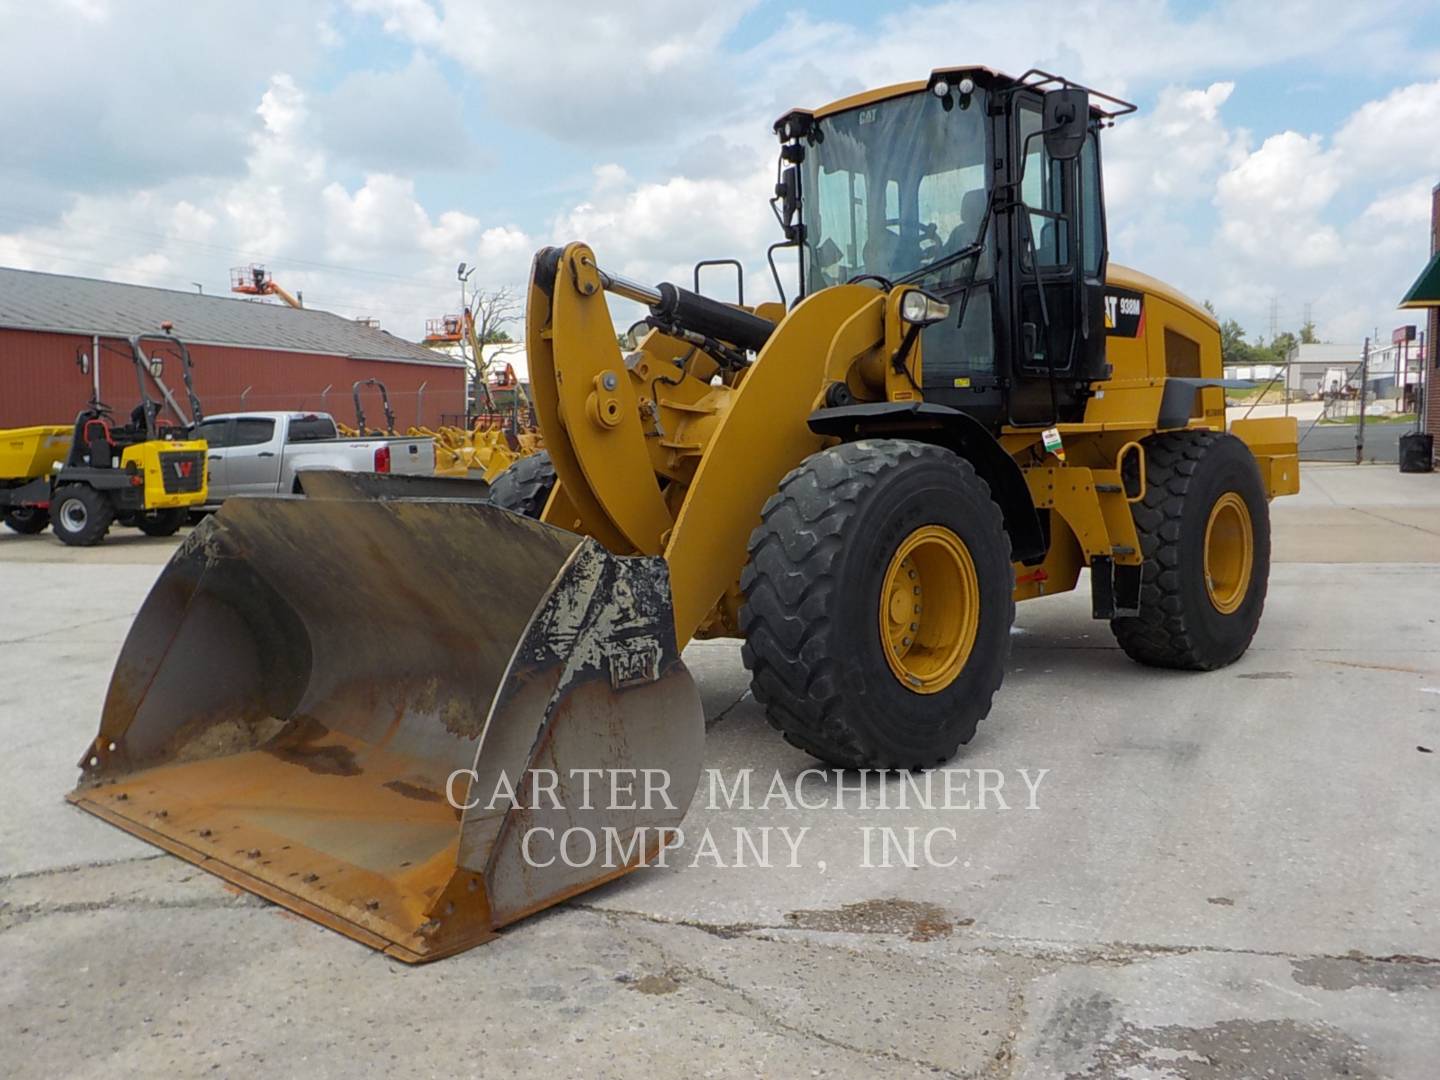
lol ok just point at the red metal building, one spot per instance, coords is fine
(247, 355)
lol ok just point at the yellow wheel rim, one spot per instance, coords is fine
(1229, 552)
(929, 609)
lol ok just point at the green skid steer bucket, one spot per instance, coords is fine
(401, 718)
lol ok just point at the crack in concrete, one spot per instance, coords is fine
(1042, 949)
(755, 1008)
(97, 864)
(1392, 521)
(12, 917)
(39, 634)
(726, 711)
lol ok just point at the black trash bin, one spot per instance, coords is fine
(1417, 452)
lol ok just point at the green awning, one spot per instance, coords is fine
(1425, 293)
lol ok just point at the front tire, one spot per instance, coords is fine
(27, 520)
(1204, 527)
(524, 488)
(162, 522)
(80, 515)
(879, 595)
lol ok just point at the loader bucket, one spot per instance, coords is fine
(316, 686)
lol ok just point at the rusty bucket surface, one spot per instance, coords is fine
(330, 701)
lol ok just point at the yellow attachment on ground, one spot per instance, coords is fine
(479, 453)
(28, 452)
(1229, 553)
(929, 609)
(332, 733)
(170, 469)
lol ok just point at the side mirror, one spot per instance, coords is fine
(82, 361)
(1066, 122)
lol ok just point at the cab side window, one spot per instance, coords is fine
(213, 432)
(1092, 218)
(1043, 189)
(252, 431)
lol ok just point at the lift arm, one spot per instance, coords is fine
(652, 456)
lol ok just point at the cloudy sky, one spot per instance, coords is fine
(361, 149)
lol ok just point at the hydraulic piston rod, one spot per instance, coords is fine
(690, 311)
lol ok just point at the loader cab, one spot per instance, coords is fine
(985, 191)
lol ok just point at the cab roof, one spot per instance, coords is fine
(1107, 107)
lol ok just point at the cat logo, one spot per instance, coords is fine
(1124, 313)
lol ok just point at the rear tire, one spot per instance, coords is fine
(524, 488)
(1198, 613)
(821, 584)
(27, 520)
(162, 522)
(80, 515)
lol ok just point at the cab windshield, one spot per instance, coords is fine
(893, 187)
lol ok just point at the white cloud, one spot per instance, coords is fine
(582, 72)
(1403, 208)
(409, 118)
(287, 208)
(1393, 135)
(1173, 152)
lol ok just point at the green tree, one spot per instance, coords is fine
(1234, 349)
(1279, 349)
(1307, 334)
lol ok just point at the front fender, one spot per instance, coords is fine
(957, 431)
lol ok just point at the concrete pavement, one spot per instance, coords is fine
(1224, 875)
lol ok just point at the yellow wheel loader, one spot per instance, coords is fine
(962, 406)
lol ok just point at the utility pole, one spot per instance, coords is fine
(462, 273)
(1364, 375)
(1274, 317)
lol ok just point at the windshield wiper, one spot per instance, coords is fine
(969, 251)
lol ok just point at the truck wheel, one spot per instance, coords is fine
(80, 515)
(524, 488)
(879, 595)
(162, 522)
(27, 520)
(1204, 528)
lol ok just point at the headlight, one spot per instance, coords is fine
(921, 309)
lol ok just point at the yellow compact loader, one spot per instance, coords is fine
(147, 473)
(964, 406)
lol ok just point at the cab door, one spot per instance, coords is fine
(253, 456)
(1056, 318)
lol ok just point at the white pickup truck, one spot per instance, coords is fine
(259, 453)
